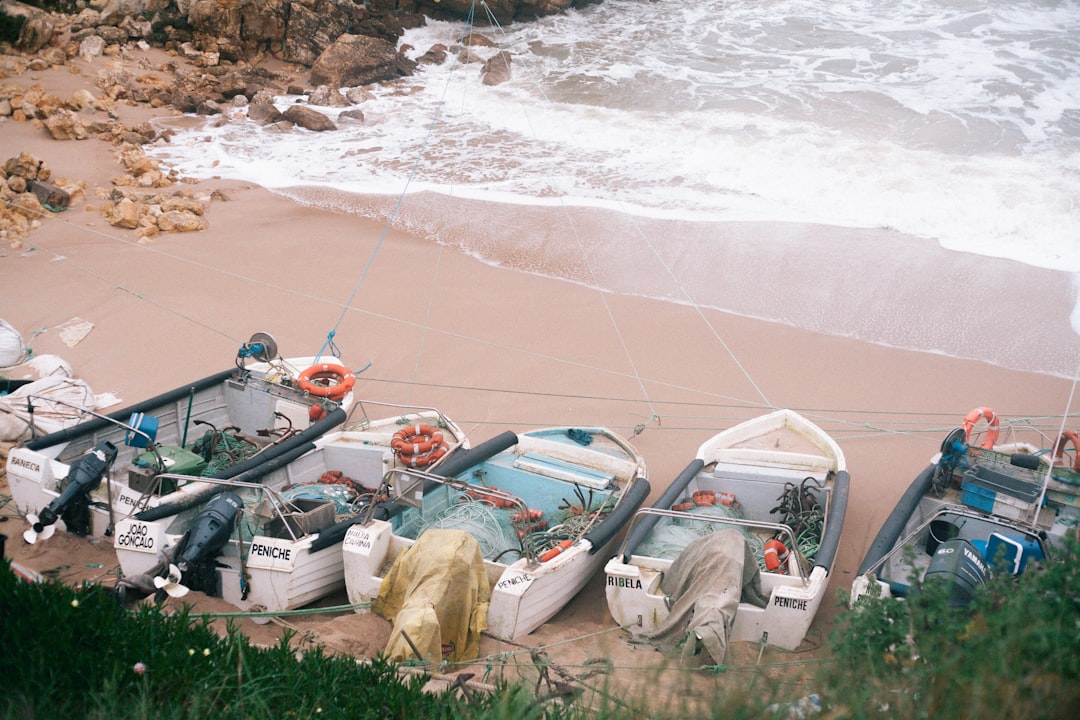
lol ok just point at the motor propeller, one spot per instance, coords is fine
(72, 505)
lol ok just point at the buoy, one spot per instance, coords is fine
(776, 555)
(554, 552)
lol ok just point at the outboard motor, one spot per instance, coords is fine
(73, 505)
(196, 552)
(958, 564)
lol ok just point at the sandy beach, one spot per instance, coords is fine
(493, 348)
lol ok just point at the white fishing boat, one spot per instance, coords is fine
(980, 506)
(544, 506)
(781, 483)
(270, 538)
(87, 477)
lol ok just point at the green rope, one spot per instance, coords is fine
(286, 613)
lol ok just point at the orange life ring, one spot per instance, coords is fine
(342, 377)
(776, 554)
(416, 439)
(422, 460)
(1059, 448)
(992, 429)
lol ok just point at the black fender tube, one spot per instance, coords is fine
(253, 469)
(834, 523)
(631, 500)
(461, 460)
(667, 499)
(121, 416)
(894, 524)
(334, 534)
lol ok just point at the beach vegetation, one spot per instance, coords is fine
(75, 652)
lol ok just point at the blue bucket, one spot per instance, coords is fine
(145, 424)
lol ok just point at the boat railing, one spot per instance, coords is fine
(951, 512)
(363, 419)
(779, 530)
(273, 505)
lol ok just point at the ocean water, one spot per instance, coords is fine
(907, 173)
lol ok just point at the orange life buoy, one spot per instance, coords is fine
(776, 554)
(416, 439)
(342, 377)
(418, 445)
(992, 429)
(424, 459)
(1059, 448)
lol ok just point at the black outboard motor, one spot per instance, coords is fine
(73, 505)
(202, 543)
(960, 566)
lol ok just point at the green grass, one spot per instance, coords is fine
(73, 652)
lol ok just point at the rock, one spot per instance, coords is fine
(264, 113)
(357, 60)
(496, 70)
(352, 114)
(124, 214)
(180, 221)
(37, 29)
(65, 125)
(325, 96)
(309, 119)
(27, 205)
(24, 165)
(111, 35)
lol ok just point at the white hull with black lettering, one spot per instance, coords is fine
(570, 497)
(737, 478)
(284, 549)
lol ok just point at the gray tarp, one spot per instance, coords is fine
(704, 587)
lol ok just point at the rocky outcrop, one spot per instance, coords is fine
(359, 60)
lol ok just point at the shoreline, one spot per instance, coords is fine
(494, 348)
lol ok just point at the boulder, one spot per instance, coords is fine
(358, 60)
(496, 69)
(309, 119)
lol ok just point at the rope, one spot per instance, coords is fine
(667, 268)
(284, 613)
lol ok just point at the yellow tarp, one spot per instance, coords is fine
(437, 593)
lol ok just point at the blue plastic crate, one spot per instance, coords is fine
(977, 497)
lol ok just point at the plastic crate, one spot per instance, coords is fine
(994, 503)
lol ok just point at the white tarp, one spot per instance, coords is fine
(12, 348)
(58, 400)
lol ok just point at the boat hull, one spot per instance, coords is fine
(543, 470)
(293, 558)
(745, 470)
(255, 401)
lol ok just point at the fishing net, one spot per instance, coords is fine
(222, 450)
(672, 535)
(491, 526)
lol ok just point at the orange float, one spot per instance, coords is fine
(312, 381)
(1059, 448)
(776, 554)
(992, 430)
(418, 445)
